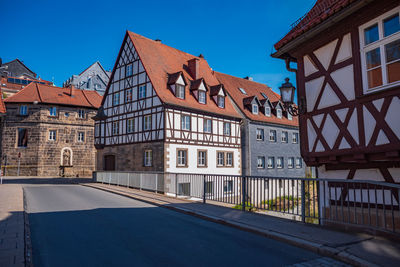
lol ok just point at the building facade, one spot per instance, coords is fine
(2, 114)
(94, 78)
(270, 135)
(164, 110)
(48, 131)
(16, 68)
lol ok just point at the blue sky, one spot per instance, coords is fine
(59, 38)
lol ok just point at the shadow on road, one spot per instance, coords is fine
(47, 180)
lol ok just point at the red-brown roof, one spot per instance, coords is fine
(6, 82)
(159, 60)
(46, 94)
(2, 106)
(253, 89)
(322, 10)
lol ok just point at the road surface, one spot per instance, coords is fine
(73, 225)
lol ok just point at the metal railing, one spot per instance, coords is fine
(369, 204)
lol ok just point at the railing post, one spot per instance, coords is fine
(140, 181)
(243, 193)
(156, 182)
(127, 183)
(176, 185)
(118, 179)
(303, 201)
(204, 189)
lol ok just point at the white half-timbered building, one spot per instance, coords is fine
(164, 110)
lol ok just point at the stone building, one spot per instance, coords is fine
(270, 135)
(2, 114)
(48, 131)
(94, 78)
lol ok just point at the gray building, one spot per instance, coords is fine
(95, 77)
(16, 68)
(270, 135)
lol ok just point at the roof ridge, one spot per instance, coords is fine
(243, 79)
(87, 99)
(37, 88)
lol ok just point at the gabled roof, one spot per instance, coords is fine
(253, 89)
(56, 95)
(265, 101)
(249, 100)
(214, 90)
(321, 11)
(2, 106)
(159, 60)
(22, 63)
(195, 85)
(174, 77)
(98, 63)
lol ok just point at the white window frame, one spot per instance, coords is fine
(81, 114)
(148, 158)
(185, 122)
(279, 113)
(52, 135)
(130, 125)
(180, 91)
(201, 158)
(272, 135)
(221, 101)
(81, 136)
(261, 162)
(147, 122)
(295, 138)
(182, 157)
(271, 162)
(202, 97)
(207, 129)
(280, 162)
(290, 164)
(229, 159)
(53, 111)
(220, 160)
(267, 111)
(260, 134)
(289, 116)
(227, 130)
(142, 91)
(254, 109)
(382, 41)
(115, 127)
(284, 137)
(299, 163)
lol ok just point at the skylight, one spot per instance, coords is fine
(242, 91)
(264, 95)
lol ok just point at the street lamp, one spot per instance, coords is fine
(287, 98)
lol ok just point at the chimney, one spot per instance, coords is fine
(158, 40)
(193, 66)
(201, 56)
(248, 78)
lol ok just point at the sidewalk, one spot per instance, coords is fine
(12, 243)
(355, 249)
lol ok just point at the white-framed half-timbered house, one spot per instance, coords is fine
(164, 110)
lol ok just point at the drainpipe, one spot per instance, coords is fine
(287, 61)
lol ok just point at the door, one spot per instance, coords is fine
(109, 163)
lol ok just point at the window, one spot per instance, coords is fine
(284, 137)
(228, 186)
(23, 110)
(242, 91)
(264, 95)
(279, 162)
(52, 135)
(260, 134)
(268, 111)
(129, 70)
(81, 114)
(66, 114)
(271, 162)
(380, 51)
(289, 116)
(128, 95)
(229, 159)
(202, 97)
(116, 99)
(272, 135)
(22, 137)
(295, 138)
(53, 111)
(209, 188)
(202, 158)
(130, 125)
(227, 128)
(261, 162)
(148, 158)
(115, 127)
(290, 163)
(299, 163)
(279, 113)
(207, 126)
(184, 189)
(142, 91)
(182, 158)
(185, 122)
(255, 109)
(81, 137)
(147, 122)
(180, 91)
(221, 101)
(220, 158)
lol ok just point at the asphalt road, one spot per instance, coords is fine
(72, 225)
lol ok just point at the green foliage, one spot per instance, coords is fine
(248, 206)
(4, 95)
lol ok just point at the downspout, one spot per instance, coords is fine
(287, 61)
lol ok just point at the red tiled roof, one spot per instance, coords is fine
(2, 106)
(159, 60)
(232, 85)
(56, 95)
(322, 10)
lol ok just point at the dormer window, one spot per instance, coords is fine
(202, 97)
(221, 101)
(180, 91)
(242, 91)
(279, 113)
(53, 111)
(289, 116)
(268, 111)
(255, 109)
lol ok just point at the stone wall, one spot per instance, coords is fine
(43, 157)
(131, 157)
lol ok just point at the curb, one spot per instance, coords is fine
(27, 234)
(295, 241)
